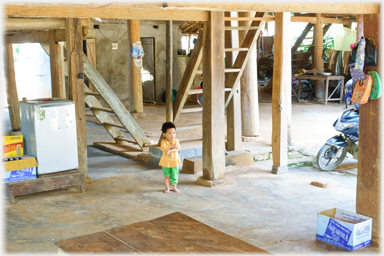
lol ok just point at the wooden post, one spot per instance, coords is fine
(57, 67)
(370, 160)
(169, 69)
(136, 97)
(12, 97)
(74, 49)
(318, 53)
(249, 87)
(360, 26)
(91, 54)
(234, 106)
(213, 90)
(281, 86)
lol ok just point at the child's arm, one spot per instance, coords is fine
(177, 146)
(164, 146)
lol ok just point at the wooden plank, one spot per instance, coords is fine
(235, 49)
(74, 46)
(188, 77)
(300, 39)
(249, 92)
(57, 67)
(126, 150)
(38, 24)
(108, 12)
(370, 156)
(102, 109)
(116, 105)
(92, 93)
(114, 125)
(360, 27)
(214, 110)
(39, 36)
(317, 56)
(125, 140)
(147, 237)
(270, 18)
(189, 110)
(100, 242)
(241, 28)
(91, 53)
(204, 236)
(61, 180)
(195, 91)
(304, 19)
(136, 88)
(249, 42)
(12, 97)
(336, 21)
(169, 71)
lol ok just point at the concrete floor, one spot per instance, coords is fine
(274, 212)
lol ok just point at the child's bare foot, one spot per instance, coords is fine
(166, 191)
(176, 190)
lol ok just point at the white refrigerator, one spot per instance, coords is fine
(49, 132)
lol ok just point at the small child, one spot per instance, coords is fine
(170, 159)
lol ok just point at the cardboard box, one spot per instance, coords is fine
(16, 170)
(344, 229)
(13, 146)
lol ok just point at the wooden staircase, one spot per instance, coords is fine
(127, 122)
(233, 73)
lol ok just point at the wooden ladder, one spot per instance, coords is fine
(234, 73)
(127, 122)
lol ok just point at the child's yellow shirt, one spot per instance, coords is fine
(173, 159)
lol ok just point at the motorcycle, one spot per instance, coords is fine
(336, 148)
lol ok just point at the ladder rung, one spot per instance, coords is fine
(103, 109)
(235, 49)
(228, 89)
(195, 91)
(188, 127)
(227, 70)
(114, 125)
(92, 93)
(127, 140)
(189, 110)
(242, 28)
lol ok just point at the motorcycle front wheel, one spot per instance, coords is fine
(329, 157)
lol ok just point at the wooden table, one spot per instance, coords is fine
(326, 79)
(172, 233)
(45, 183)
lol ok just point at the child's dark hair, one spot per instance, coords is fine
(166, 126)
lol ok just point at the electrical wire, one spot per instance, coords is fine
(111, 40)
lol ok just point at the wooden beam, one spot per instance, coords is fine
(74, 47)
(360, 27)
(370, 156)
(301, 38)
(42, 37)
(169, 71)
(12, 97)
(188, 76)
(304, 19)
(38, 24)
(281, 86)
(214, 109)
(336, 21)
(108, 12)
(248, 81)
(57, 67)
(136, 90)
(318, 55)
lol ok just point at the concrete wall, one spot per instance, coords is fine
(113, 65)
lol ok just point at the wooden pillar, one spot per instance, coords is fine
(234, 106)
(74, 45)
(136, 97)
(370, 160)
(169, 69)
(57, 67)
(360, 26)
(12, 97)
(317, 56)
(281, 86)
(214, 107)
(249, 87)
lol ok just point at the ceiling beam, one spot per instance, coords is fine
(12, 24)
(109, 12)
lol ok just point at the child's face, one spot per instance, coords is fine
(170, 134)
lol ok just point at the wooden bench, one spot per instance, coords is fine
(45, 183)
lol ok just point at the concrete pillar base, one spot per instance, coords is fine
(251, 138)
(215, 183)
(279, 169)
(140, 114)
(14, 133)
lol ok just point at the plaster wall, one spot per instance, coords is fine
(112, 64)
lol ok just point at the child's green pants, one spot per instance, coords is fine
(173, 173)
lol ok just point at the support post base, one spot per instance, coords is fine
(250, 138)
(279, 169)
(215, 183)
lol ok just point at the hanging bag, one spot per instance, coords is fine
(357, 68)
(362, 90)
(376, 85)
